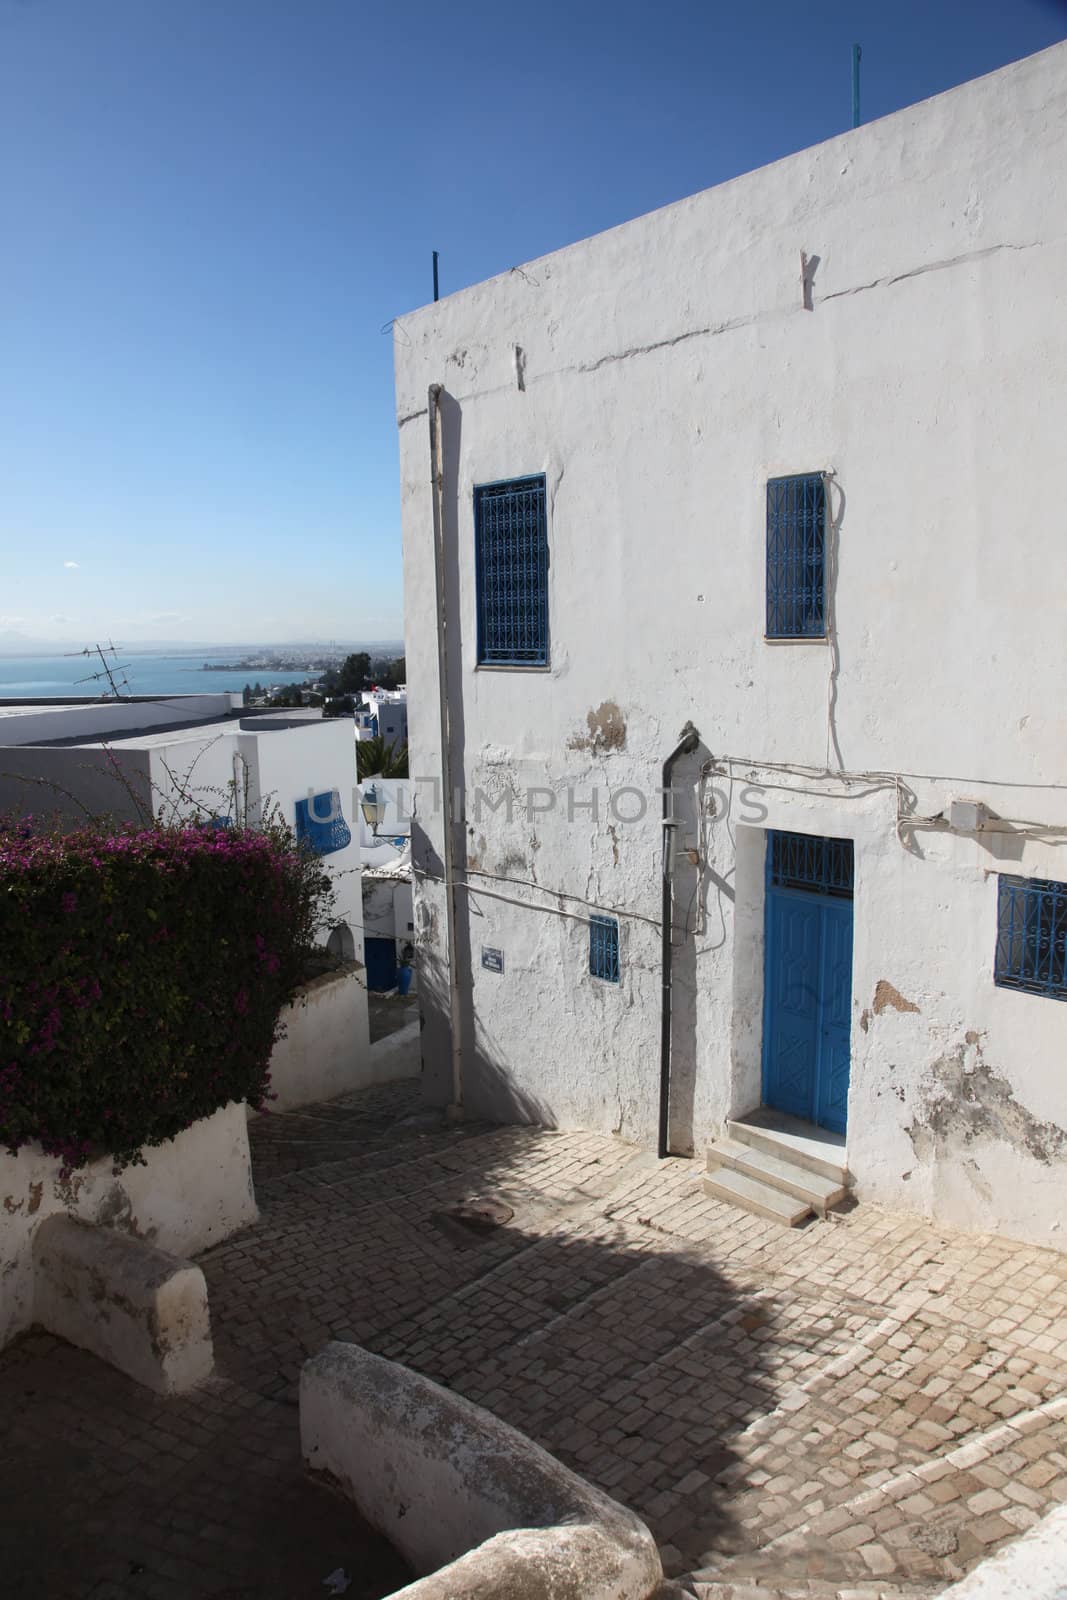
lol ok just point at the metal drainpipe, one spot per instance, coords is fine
(688, 743)
(437, 478)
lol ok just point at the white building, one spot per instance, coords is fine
(192, 756)
(385, 714)
(782, 463)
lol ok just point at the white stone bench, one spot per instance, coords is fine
(136, 1307)
(467, 1500)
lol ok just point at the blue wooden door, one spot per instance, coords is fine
(807, 987)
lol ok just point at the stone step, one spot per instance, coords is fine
(759, 1198)
(800, 1143)
(817, 1191)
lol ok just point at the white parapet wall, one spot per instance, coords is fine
(191, 1192)
(470, 1502)
(1032, 1568)
(325, 1050)
(135, 1306)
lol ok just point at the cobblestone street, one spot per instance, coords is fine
(862, 1406)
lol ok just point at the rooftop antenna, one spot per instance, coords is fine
(115, 684)
(436, 289)
(856, 54)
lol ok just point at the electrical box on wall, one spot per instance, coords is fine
(967, 816)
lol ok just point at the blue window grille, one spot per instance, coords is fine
(320, 824)
(804, 861)
(796, 557)
(604, 948)
(1032, 936)
(511, 548)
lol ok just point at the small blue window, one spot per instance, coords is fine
(511, 539)
(604, 948)
(1032, 936)
(796, 557)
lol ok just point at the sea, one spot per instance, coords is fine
(63, 675)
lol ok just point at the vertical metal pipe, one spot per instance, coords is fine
(437, 471)
(688, 742)
(856, 53)
(436, 289)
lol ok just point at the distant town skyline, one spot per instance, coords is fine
(213, 214)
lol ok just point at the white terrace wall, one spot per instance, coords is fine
(189, 1193)
(96, 719)
(885, 308)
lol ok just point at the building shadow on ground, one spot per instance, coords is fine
(534, 1272)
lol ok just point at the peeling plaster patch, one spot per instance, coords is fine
(607, 730)
(36, 1191)
(966, 1100)
(885, 995)
(613, 835)
(428, 931)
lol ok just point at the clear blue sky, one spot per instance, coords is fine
(211, 207)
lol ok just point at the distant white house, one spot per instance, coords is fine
(192, 756)
(759, 499)
(384, 714)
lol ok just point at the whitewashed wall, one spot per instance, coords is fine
(191, 1192)
(658, 375)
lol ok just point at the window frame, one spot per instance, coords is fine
(780, 635)
(497, 662)
(1013, 961)
(605, 953)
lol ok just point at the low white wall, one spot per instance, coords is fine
(465, 1498)
(192, 1191)
(1032, 1568)
(326, 1047)
(326, 1050)
(398, 1055)
(135, 1306)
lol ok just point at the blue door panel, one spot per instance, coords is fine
(836, 1015)
(791, 1017)
(807, 1012)
(380, 956)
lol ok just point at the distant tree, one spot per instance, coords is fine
(341, 705)
(393, 673)
(377, 759)
(354, 673)
(246, 693)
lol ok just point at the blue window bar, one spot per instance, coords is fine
(1032, 936)
(796, 557)
(604, 948)
(803, 861)
(511, 549)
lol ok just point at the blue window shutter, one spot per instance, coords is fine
(511, 556)
(604, 948)
(320, 823)
(796, 557)
(1032, 936)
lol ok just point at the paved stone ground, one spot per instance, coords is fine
(865, 1406)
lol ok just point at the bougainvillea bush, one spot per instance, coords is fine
(142, 974)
